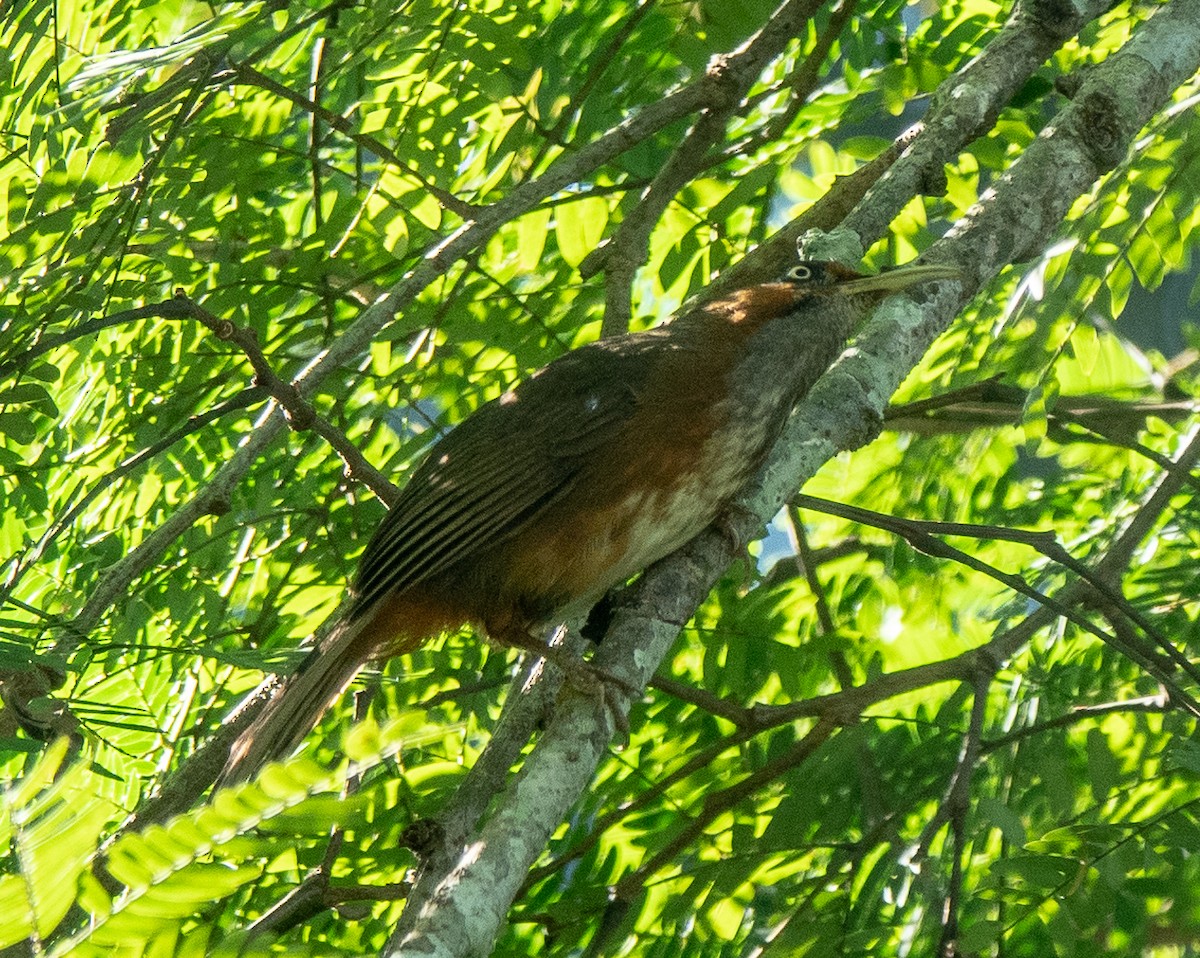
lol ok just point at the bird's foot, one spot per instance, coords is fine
(610, 690)
(730, 522)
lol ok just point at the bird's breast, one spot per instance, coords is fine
(629, 511)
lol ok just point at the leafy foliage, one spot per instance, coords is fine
(408, 206)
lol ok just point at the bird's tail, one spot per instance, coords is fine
(296, 703)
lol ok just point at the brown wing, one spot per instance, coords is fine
(505, 463)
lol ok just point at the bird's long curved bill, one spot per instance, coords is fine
(903, 277)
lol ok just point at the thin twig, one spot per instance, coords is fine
(1111, 567)
(920, 535)
(300, 414)
(992, 404)
(953, 810)
(807, 75)
(597, 66)
(721, 801)
(704, 700)
(250, 76)
(1152, 704)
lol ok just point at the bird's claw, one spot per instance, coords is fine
(585, 678)
(599, 683)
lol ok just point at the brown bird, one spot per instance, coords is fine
(597, 465)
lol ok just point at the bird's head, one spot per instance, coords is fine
(820, 278)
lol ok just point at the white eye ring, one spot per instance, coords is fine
(800, 274)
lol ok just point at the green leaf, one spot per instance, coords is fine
(1119, 282)
(532, 230)
(1104, 772)
(579, 226)
(1085, 344)
(19, 427)
(1003, 818)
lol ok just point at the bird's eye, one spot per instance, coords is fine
(800, 274)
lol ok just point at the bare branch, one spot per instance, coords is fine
(297, 410)
(1150, 704)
